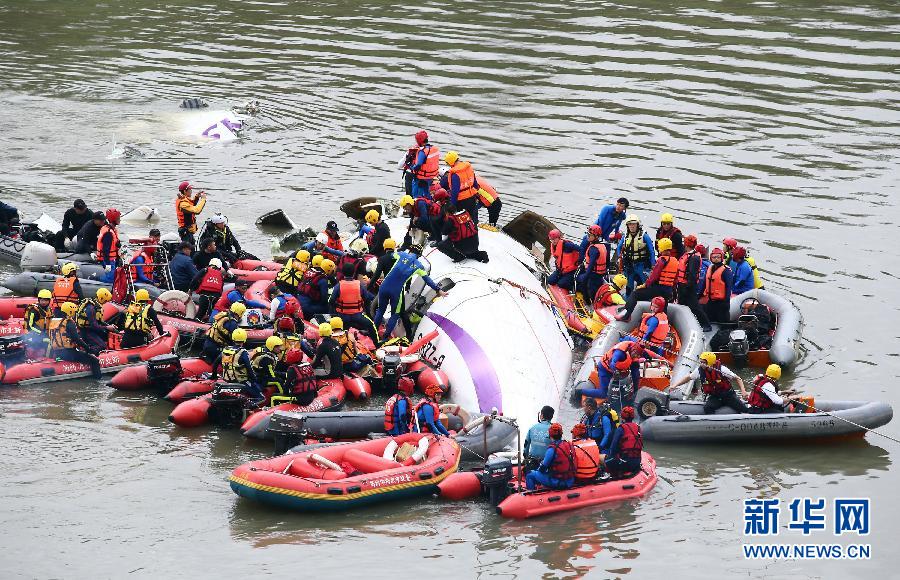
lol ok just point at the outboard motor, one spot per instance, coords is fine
(390, 372)
(38, 257)
(228, 405)
(739, 346)
(12, 350)
(164, 371)
(496, 477)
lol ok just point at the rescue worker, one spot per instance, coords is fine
(208, 285)
(398, 408)
(74, 219)
(425, 166)
(65, 341)
(764, 397)
(390, 293)
(208, 251)
(383, 264)
(426, 415)
(142, 266)
(281, 304)
(489, 198)
(557, 469)
(715, 382)
(762, 328)
(266, 363)
(424, 214)
(108, 244)
(728, 246)
(624, 457)
(717, 288)
(66, 288)
(636, 253)
(226, 243)
(89, 317)
(334, 236)
(290, 275)
(688, 280)
(587, 455)
(86, 237)
(660, 282)
(667, 230)
(654, 327)
(37, 317)
(320, 246)
(234, 295)
(138, 320)
(741, 271)
(187, 208)
(599, 422)
(352, 356)
(461, 242)
(9, 218)
(596, 260)
(349, 302)
(461, 183)
(300, 380)
(219, 334)
(327, 363)
(315, 287)
(622, 358)
(610, 293)
(354, 258)
(236, 366)
(182, 267)
(610, 219)
(538, 438)
(565, 261)
(704, 266)
(380, 232)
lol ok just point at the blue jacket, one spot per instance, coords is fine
(594, 425)
(619, 356)
(426, 417)
(537, 440)
(183, 271)
(310, 247)
(406, 266)
(235, 296)
(609, 221)
(608, 431)
(140, 271)
(743, 276)
(704, 265)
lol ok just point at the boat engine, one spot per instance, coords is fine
(12, 350)
(390, 372)
(739, 346)
(496, 477)
(164, 371)
(228, 405)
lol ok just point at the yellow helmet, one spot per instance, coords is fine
(406, 201)
(68, 268)
(372, 216)
(324, 329)
(451, 157)
(664, 244)
(708, 357)
(633, 219)
(45, 295)
(142, 296)
(317, 260)
(336, 323)
(69, 308)
(328, 266)
(103, 295)
(620, 281)
(773, 371)
(238, 308)
(302, 255)
(274, 342)
(666, 218)
(389, 244)
(239, 335)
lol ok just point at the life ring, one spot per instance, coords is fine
(419, 454)
(390, 450)
(323, 462)
(451, 409)
(175, 302)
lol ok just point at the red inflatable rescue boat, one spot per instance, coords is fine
(137, 377)
(189, 326)
(14, 306)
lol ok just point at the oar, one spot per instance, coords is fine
(415, 346)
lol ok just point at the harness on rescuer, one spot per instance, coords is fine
(217, 332)
(463, 226)
(423, 427)
(712, 380)
(758, 398)
(391, 418)
(621, 366)
(232, 370)
(632, 442)
(81, 317)
(309, 285)
(634, 248)
(305, 381)
(563, 466)
(136, 317)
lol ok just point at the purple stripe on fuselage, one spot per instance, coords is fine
(484, 377)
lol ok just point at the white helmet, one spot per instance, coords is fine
(218, 219)
(216, 263)
(359, 245)
(322, 238)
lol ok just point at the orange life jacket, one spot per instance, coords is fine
(669, 271)
(59, 333)
(606, 361)
(148, 270)
(715, 285)
(682, 267)
(186, 219)
(64, 290)
(712, 381)
(600, 264)
(350, 300)
(587, 458)
(390, 418)
(565, 261)
(334, 242)
(430, 168)
(486, 192)
(662, 329)
(114, 242)
(463, 226)
(563, 466)
(463, 170)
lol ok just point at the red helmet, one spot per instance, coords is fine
(554, 234)
(293, 356)
(690, 241)
(579, 431)
(286, 324)
(595, 230)
(184, 185)
(113, 215)
(291, 307)
(406, 385)
(433, 389)
(717, 252)
(659, 302)
(440, 194)
(729, 242)
(628, 412)
(739, 253)
(421, 138)
(556, 431)
(701, 249)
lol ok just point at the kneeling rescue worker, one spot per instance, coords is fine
(300, 380)
(764, 397)
(624, 456)
(426, 416)
(139, 318)
(219, 334)
(565, 260)
(66, 343)
(715, 383)
(557, 470)
(398, 409)
(89, 317)
(328, 363)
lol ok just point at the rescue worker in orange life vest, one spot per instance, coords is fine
(108, 245)
(654, 327)
(461, 183)
(741, 271)
(208, 284)
(314, 288)
(624, 455)
(623, 357)
(717, 288)
(660, 282)
(424, 214)
(557, 469)
(424, 167)
(689, 265)
(461, 242)
(380, 232)
(636, 252)
(587, 454)
(565, 256)
(715, 382)
(334, 236)
(596, 259)
(538, 438)
(67, 288)
(66, 342)
(142, 266)
(668, 230)
(187, 208)
(37, 317)
(349, 301)
(138, 320)
(610, 293)
(764, 397)
(427, 413)
(398, 409)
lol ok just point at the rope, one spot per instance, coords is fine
(857, 425)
